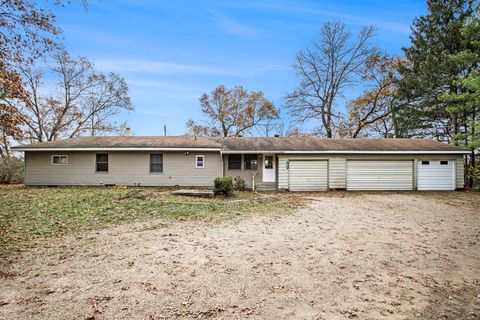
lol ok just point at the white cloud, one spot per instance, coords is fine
(235, 28)
(241, 69)
(161, 85)
(158, 67)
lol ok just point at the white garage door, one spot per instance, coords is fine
(436, 175)
(379, 175)
(308, 175)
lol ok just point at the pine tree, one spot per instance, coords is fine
(465, 103)
(430, 72)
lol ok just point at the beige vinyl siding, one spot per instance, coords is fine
(124, 168)
(246, 175)
(339, 171)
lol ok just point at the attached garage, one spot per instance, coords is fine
(308, 175)
(436, 175)
(379, 175)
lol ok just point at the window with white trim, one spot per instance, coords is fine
(199, 162)
(60, 160)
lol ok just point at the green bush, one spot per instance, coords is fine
(239, 183)
(223, 186)
(11, 170)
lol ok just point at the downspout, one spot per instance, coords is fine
(25, 168)
(223, 164)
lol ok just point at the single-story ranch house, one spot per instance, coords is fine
(293, 163)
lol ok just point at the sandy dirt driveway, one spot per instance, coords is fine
(361, 256)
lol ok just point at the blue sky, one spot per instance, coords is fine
(170, 52)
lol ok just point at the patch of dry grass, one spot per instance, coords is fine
(31, 214)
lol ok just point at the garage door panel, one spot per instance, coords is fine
(379, 175)
(308, 175)
(433, 175)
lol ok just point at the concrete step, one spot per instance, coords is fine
(266, 187)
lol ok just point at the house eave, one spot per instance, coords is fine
(346, 152)
(116, 149)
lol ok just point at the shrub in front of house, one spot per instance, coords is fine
(11, 170)
(223, 185)
(239, 183)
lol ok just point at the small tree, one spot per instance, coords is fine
(232, 112)
(11, 170)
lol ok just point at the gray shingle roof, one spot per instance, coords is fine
(130, 142)
(319, 144)
(232, 144)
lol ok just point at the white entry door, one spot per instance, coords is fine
(268, 168)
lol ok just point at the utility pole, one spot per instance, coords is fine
(165, 130)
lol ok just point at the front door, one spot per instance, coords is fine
(268, 168)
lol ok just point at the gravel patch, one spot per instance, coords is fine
(361, 256)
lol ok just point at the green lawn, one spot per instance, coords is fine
(28, 215)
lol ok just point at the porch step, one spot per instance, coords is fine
(266, 187)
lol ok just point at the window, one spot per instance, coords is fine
(268, 162)
(102, 162)
(444, 163)
(200, 162)
(156, 162)
(60, 160)
(234, 162)
(250, 161)
(425, 162)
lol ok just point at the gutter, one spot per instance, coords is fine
(348, 152)
(20, 149)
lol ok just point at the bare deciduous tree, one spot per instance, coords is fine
(232, 112)
(325, 69)
(81, 102)
(272, 126)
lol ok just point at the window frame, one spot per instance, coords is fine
(59, 164)
(196, 161)
(150, 163)
(96, 163)
(270, 163)
(444, 162)
(425, 162)
(249, 161)
(239, 162)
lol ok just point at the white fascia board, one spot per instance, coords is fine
(348, 152)
(239, 152)
(118, 149)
